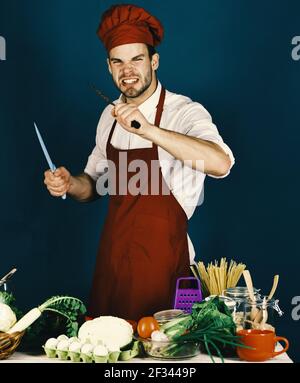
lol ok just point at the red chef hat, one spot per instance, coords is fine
(127, 24)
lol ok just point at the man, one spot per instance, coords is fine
(144, 246)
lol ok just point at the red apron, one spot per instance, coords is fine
(143, 247)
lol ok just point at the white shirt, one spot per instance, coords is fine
(181, 115)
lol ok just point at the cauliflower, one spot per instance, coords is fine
(107, 330)
(7, 317)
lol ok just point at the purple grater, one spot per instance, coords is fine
(185, 298)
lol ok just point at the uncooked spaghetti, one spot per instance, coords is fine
(216, 278)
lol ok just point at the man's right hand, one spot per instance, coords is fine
(59, 182)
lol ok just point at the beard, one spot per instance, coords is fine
(132, 91)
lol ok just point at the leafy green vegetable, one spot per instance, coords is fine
(210, 323)
(68, 307)
(178, 326)
(6, 298)
(61, 315)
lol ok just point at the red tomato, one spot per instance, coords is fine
(146, 326)
(88, 318)
(133, 324)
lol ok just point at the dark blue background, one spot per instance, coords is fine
(233, 56)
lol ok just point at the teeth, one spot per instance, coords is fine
(130, 81)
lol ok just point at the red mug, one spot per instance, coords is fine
(262, 343)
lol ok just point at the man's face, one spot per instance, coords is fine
(131, 68)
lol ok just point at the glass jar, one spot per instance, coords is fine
(262, 314)
(165, 316)
(240, 296)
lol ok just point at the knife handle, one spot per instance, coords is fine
(53, 168)
(135, 124)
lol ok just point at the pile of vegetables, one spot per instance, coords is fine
(60, 314)
(108, 339)
(210, 324)
(103, 339)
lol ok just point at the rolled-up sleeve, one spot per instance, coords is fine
(198, 123)
(97, 160)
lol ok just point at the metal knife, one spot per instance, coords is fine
(7, 276)
(45, 151)
(134, 124)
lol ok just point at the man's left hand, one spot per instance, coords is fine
(126, 113)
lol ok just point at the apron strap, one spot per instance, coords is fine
(111, 131)
(160, 107)
(159, 111)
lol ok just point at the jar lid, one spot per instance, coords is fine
(239, 292)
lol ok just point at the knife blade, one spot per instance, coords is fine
(46, 154)
(7, 276)
(134, 124)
